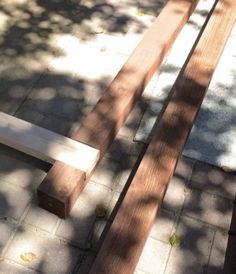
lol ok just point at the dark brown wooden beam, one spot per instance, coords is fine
(102, 124)
(127, 235)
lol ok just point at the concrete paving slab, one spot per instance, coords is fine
(230, 266)
(97, 236)
(212, 137)
(39, 218)
(9, 205)
(29, 113)
(175, 194)
(61, 107)
(56, 123)
(154, 257)
(6, 230)
(170, 68)
(14, 91)
(217, 257)
(80, 224)
(213, 180)
(123, 44)
(105, 173)
(122, 155)
(78, 62)
(123, 147)
(131, 125)
(86, 263)
(122, 178)
(114, 17)
(123, 172)
(21, 170)
(138, 271)
(12, 268)
(208, 208)
(163, 226)
(82, 61)
(113, 203)
(49, 255)
(192, 255)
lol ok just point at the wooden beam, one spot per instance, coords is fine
(127, 235)
(102, 124)
(46, 145)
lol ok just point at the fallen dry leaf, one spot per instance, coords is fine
(99, 30)
(226, 168)
(103, 48)
(175, 240)
(100, 211)
(88, 4)
(125, 30)
(139, 13)
(28, 256)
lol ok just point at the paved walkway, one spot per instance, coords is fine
(56, 60)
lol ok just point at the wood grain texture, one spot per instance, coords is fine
(60, 189)
(102, 124)
(127, 235)
(45, 144)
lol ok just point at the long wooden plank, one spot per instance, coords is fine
(125, 240)
(46, 145)
(101, 125)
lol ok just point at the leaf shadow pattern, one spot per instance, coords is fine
(28, 84)
(32, 90)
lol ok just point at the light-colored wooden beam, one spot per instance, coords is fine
(125, 240)
(46, 145)
(101, 126)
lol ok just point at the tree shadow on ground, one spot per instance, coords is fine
(33, 91)
(199, 241)
(28, 37)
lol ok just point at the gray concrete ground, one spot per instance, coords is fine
(57, 59)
